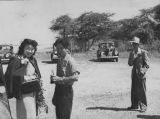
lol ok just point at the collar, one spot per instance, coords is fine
(66, 57)
(139, 51)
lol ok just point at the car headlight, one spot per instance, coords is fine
(116, 53)
(7, 55)
(102, 53)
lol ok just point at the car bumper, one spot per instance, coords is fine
(54, 58)
(108, 57)
(5, 60)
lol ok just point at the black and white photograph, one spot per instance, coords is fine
(79, 59)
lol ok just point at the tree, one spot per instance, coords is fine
(156, 19)
(90, 26)
(123, 29)
(156, 10)
(140, 26)
(144, 28)
(63, 26)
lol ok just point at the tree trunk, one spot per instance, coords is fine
(90, 45)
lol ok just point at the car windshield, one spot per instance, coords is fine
(106, 45)
(5, 47)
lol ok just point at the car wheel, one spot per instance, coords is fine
(51, 56)
(116, 59)
(99, 59)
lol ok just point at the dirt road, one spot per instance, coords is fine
(103, 90)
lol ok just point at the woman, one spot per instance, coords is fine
(22, 68)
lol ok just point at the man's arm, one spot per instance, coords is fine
(145, 68)
(72, 78)
(65, 80)
(131, 59)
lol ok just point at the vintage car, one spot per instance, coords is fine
(107, 51)
(6, 52)
(54, 56)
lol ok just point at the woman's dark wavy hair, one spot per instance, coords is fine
(27, 42)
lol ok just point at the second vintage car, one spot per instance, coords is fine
(107, 50)
(6, 52)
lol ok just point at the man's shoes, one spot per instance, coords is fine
(142, 110)
(132, 108)
(143, 107)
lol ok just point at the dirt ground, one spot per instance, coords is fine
(103, 90)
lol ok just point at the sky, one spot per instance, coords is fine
(21, 19)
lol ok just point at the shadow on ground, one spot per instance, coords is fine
(109, 108)
(149, 116)
(93, 60)
(102, 60)
(49, 62)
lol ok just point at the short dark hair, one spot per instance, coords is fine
(27, 42)
(64, 43)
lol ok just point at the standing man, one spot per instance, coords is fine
(139, 60)
(67, 74)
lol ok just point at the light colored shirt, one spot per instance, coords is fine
(66, 67)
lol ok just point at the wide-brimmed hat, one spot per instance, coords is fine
(135, 40)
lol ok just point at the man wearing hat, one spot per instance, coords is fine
(139, 60)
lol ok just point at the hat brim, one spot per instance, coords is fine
(134, 42)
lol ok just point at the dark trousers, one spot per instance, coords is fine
(62, 100)
(64, 111)
(138, 92)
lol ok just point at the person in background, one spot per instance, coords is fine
(1, 74)
(4, 105)
(67, 74)
(139, 60)
(21, 68)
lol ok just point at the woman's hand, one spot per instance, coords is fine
(143, 71)
(24, 61)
